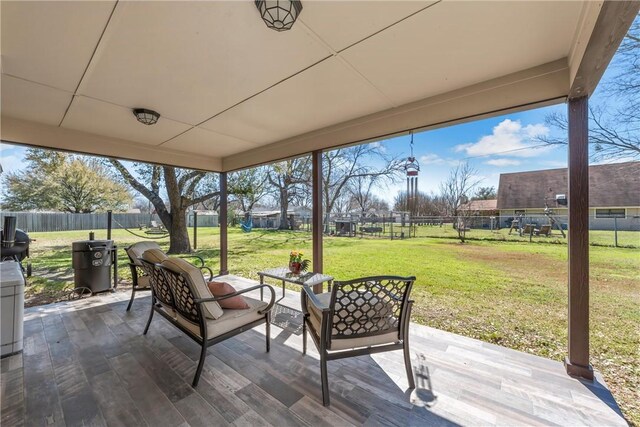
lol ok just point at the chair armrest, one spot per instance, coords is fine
(198, 257)
(233, 294)
(134, 273)
(314, 299)
(209, 270)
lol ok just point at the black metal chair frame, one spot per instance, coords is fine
(164, 287)
(137, 271)
(324, 337)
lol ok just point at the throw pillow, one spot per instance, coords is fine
(219, 289)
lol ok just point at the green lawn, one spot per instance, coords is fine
(498, 288)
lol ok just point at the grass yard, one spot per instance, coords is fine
(509, 292)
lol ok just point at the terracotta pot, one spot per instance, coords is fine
(295, 267)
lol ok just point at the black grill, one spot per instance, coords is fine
(15, 243)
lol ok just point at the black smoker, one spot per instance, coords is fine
(14, 243)
(92, 262)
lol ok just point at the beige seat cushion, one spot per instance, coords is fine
(344, 343)
(167, 309)
(230, 319)
(211, 309)
(155, 256)
(136, 250)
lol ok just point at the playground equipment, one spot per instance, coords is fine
(553, 222)
(247, 225)
(532, 229)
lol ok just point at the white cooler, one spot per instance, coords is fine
(12, 309)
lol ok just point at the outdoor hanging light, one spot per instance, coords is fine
(147, 117)
(279, 15)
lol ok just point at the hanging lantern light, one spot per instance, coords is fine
(147, 117)
(279, 15)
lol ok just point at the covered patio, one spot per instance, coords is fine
(347, 73)
(87, 363)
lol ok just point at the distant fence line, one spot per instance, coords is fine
(61, 221)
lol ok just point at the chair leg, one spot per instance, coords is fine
(146, 328)
(324, 379)
(268, 326)
(304, 336)
(203, 355)
(133, 294)
(407, 364)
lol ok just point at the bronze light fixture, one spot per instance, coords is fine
(279, 15)
(147, 117)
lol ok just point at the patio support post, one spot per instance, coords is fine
(577, 362)
(316, 172)
(223, 224)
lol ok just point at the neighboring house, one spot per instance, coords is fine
(270, 218)
(206, 218)
(483, 213)
(614, 192)
(482, 207)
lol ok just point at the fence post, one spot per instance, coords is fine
(109, 214)
(195, 230)
(615, 231)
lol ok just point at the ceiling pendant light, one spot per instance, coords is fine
(279, 15)
(147, 117)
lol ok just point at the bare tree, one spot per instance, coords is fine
(361, 190)
(288, 179)
(610, 138)
(184, 188)
(425, 205)
(248, 187)
(614, 126)
(455, 191)
(342, 166)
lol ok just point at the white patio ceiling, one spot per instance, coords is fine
(233, 93)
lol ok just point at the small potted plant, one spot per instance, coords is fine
(296, 263)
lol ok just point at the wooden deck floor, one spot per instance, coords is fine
(87, 363)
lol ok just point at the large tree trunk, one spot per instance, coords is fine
(179, 236)
(284, 208)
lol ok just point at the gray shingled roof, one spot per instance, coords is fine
(610, 185)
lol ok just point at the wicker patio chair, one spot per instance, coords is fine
(361, 316)
(139, 278)
(180, 294)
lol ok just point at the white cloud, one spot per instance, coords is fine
(10, 163)
(509, 136)
(431, 159)
(503, 162)
(380, 146)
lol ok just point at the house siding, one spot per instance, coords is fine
(631, 222)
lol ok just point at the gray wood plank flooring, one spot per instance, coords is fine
(87, 363)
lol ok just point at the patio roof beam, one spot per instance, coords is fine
(577, 362)
(612, 24)
(536, 87)
(223, 224)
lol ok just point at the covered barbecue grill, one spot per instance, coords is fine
(92, 263)
(14, 243)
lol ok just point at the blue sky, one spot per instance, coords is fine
(492, 146)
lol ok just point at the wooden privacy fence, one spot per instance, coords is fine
(60, 221)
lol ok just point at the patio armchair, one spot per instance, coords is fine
(180, 294)
(361, 316)
(139, 278)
